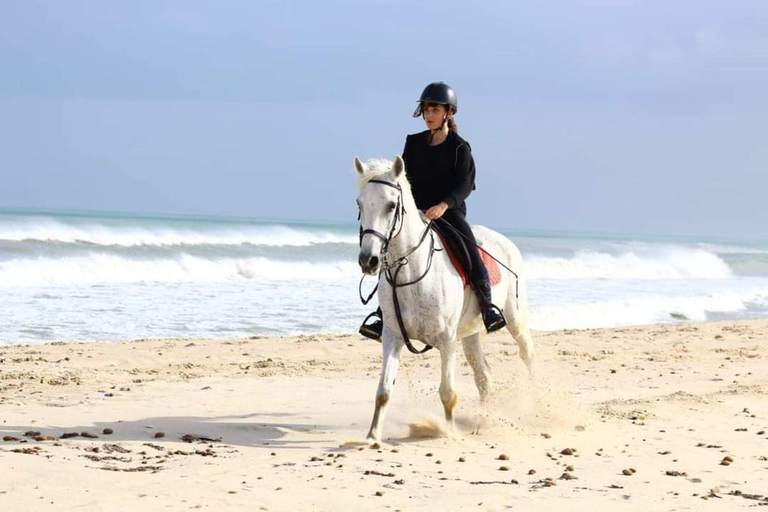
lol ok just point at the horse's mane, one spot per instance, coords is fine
(376, 167)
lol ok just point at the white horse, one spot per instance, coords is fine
(438, 309)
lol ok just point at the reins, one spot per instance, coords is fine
(399, 263)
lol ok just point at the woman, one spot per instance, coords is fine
(441, 170)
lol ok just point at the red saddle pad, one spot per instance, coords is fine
(494, 272)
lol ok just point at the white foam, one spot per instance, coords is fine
(638, 310)
(50, 230)
(732, 249)
(104, 268)
(663, 263)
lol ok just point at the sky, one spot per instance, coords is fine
(646, 117)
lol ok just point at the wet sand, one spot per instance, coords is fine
(665, 417)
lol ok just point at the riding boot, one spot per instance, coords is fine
(492, 316)
(375, 328)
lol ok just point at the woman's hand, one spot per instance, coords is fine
(436, 211)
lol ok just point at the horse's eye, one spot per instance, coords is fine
(391, 206)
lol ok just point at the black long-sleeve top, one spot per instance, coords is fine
(445, 172)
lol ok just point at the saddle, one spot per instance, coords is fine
(458, 252)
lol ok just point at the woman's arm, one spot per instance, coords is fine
(465, 176)
(405, 153)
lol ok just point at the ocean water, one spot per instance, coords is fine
(84, 277)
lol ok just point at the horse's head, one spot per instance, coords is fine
(381, 209)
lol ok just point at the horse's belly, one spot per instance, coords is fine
(472, 325)
(426, 320)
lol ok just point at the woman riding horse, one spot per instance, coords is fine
(441, 171)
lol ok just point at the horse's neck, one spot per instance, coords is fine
(409, 238)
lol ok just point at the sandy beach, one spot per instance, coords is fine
(664, 417)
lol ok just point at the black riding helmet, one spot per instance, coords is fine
(437, 92)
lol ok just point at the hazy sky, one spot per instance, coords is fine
(621, 116)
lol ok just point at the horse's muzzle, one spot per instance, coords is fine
(369, 263)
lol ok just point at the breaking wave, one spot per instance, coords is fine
(167, 234)
(105, 268)
(667, 263)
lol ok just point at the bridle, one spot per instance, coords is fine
(388, 266)
(399, 215)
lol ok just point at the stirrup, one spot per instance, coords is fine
(493, 318)
(374, 329)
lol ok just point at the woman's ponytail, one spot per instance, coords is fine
(452, 125)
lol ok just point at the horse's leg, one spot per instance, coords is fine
(522, 335)
(391, 347)
(448, 379)
(476, 359)
(527, 353)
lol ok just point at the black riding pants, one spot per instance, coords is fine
(479, 274)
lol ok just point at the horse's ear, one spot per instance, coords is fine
(359, 165)
(398, 166)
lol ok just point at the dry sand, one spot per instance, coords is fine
(637, 418)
